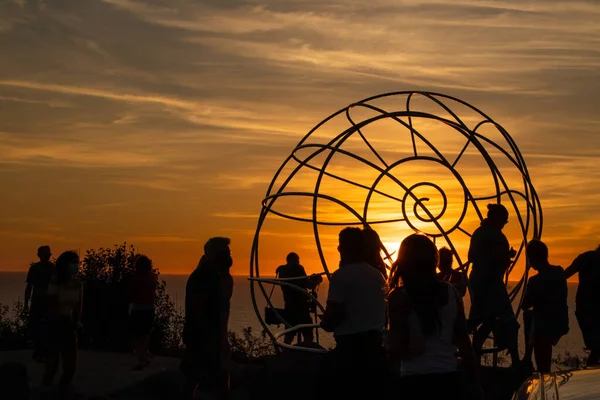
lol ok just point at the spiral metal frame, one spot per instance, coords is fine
(530, 224)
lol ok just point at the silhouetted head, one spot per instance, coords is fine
(497, 215)
(417, 258)
(44, 253)
(446, 258)
(537, 254)
(218, 253)
(598, 248)
(293, 258)
(67, 266)
(373, 248)
(142, 264)
(351, 246)
(416, 265)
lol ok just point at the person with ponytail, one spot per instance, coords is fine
(65, 294)
(427, 327)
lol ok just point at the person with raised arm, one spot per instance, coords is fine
(587, 311)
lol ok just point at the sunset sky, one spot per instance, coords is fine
(162, 123)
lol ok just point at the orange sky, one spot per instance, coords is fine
(162, 123)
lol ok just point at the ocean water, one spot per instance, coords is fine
(12, 286)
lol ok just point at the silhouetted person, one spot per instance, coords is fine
(546, 293)
(587, 302)
(427, 326)
(297, 304)
(356, 314)
(205, 333)
(373, 251)
(453, 277)
(65, 294)
(142, 293)
(490, 255)
(38, 278)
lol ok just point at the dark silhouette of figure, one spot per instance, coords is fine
(491, 308)
(205, 333)
(373, 251)
(38, 278)
(546, 294)
(297, 304)
(587, 300)
(65, 294)
(356, 314)
(142, 293)
(453, 277)
(427, 325)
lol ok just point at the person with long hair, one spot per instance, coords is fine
(142, 292)
(373, 251)
(427, 327)
(65, 294)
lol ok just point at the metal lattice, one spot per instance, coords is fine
(501, 161)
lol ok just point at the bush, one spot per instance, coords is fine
(248, 347)
(567, 360)
(13, 327)
(105, 274)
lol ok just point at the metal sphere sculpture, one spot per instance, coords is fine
(423, 162)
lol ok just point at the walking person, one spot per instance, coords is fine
(36, 293)
(142, 292)
(65, 294)
(205, 333)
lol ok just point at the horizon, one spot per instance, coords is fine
(162, 123)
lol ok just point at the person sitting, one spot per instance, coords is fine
(546, 294)
(427, 327)
(356, 314)
(586, 302)
(296, 304)
(453, 277)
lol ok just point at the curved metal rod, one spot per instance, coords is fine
(530, 224)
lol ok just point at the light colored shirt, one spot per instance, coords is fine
(361, 290)
(69, 295)
(440, 353)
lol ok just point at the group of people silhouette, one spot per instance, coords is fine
(53, 303)
(407, 327)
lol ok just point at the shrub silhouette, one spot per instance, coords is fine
(105, 274)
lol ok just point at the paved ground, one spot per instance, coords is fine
(98, 374)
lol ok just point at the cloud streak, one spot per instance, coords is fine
(165, 121)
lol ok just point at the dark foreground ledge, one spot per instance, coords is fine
(288, 376)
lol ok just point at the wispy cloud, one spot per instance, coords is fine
(183, 124)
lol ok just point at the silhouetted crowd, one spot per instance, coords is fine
(407, 328)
